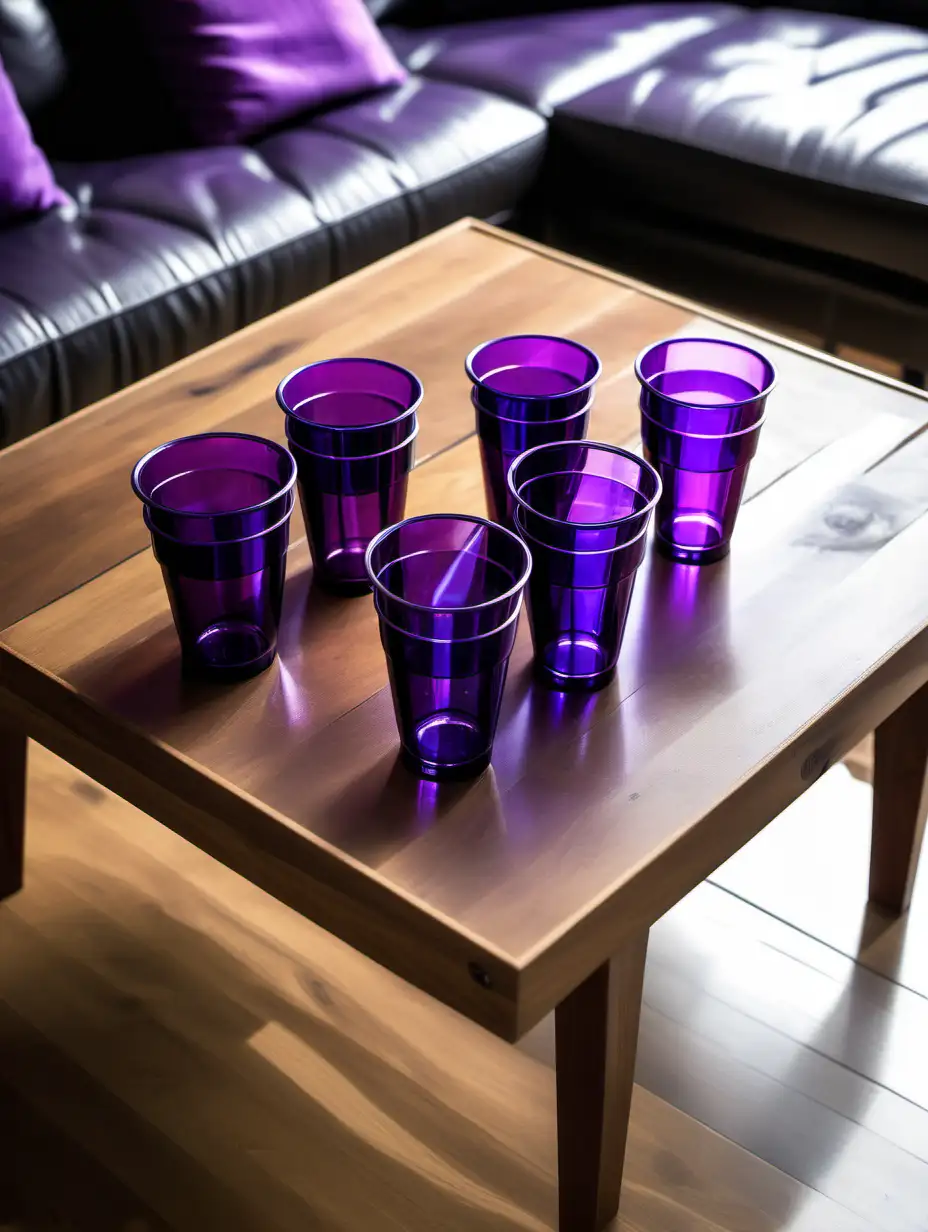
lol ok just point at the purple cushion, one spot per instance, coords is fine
(236, 67)
(26, 181)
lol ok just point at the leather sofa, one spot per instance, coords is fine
(787, 148)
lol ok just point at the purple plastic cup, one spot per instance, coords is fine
(503, 440)
(346, 502)
(448, 592)
(704, 385)
(583, 509)
(225, 589)
(349, 408)
(527, 389)
(533, 376)
(215, 486)
(703, 402)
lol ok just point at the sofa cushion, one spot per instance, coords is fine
(453, 150)
(236, 67)
(352, 189)
(101, 298)
(163, 254)
(543, 61)
(796, 126)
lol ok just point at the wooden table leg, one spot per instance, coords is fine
(12, 809)
(596, 1035)
(900, 802)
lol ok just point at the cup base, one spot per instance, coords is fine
(574, 663)
(344, 572)
(228, 651)
(445, 774)
(689, 555)
(449, 746)
(562, 683)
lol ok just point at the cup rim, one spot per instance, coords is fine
(567, 393)
(149, 503)
(707, 436)
(482, 410)
(353, 359)
(218, 543)
(456, 517)
(450, 641)
(550, 547)
(763, 393)
(646, 511)
(361, 457)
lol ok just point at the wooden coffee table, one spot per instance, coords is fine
(534, 887)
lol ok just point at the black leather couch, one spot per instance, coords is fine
(732, 150)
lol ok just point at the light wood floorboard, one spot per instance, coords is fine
(179, 1051)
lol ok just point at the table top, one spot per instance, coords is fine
(739, 683)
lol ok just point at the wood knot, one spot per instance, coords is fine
(815, 765)
(479, 975)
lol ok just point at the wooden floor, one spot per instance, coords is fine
(178, 1051)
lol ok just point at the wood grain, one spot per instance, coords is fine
(425, 307)
(597, 1036)
(12, 808)
(179, 1050)
(796, 1053)
(900, 802)
(622, 802)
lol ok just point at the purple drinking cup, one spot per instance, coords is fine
(346, 502)
(703, 482)
(215, 486)
(583, 508)
(208, 504)
(503, 440)
(532, 376)
(527, 389)
(583, 496)
(349, 408)
(448, 592)
(704, 385)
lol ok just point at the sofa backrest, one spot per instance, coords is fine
(115, 103)
(31, 53)
(439, 12)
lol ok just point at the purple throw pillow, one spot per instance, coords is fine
(26, 181)
(236, 67)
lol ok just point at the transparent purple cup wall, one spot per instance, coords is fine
(533, 376)
(703, 478)
(225, 599)
(503, 440)
(346, 502)
(583, 508)
(215, 486)
(578, 606)
(704, 385)
(447, 697)
(697, 514)
(349, 408)
(448, 591)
